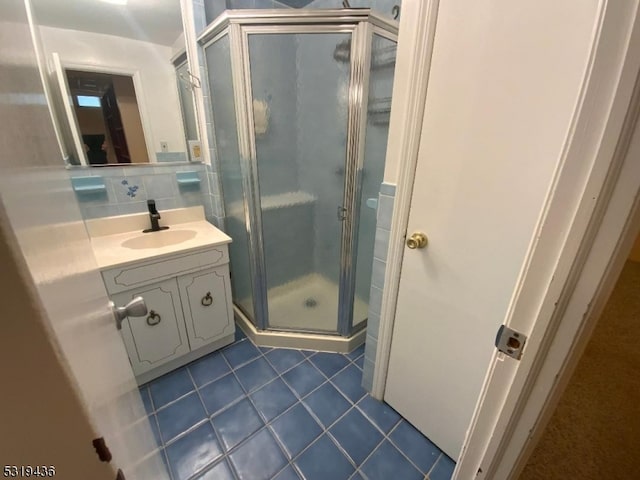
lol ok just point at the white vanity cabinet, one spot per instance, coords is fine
(159, 337)
(190, 312)
(206, 295)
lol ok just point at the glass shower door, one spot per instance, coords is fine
(299, 94)
(218, 57)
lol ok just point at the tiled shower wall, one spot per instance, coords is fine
(386, 200)
(212, 197)
(128, 189)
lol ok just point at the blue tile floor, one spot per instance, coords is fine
(252, 413)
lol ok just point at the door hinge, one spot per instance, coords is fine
(102, 450)
(510, 342)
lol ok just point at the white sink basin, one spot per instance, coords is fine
(163, 238)
(119, 240)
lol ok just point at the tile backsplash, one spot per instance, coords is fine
(128, 189)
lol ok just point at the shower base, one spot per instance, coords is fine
(306, 303)
(309, 303)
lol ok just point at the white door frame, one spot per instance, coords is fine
(582, 189)
(580, 307)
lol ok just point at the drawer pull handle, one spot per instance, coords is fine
(206, 300)
(153, 318)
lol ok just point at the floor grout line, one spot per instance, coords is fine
(299, 399)
(426, 475)
(172, 402)
(265, 424)
(402, 451)
(215, 432)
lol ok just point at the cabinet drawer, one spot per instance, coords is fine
(160, 336)
(124, 278)
(206, 300)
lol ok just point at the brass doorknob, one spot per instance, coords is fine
(417, 240)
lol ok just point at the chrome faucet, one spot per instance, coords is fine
(154, 217)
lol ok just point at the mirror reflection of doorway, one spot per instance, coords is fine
(107, 111)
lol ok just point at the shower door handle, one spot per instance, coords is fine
(341, 213)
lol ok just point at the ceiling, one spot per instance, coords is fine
(156, 21)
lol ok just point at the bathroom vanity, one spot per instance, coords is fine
(183, 275)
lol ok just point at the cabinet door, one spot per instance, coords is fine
(159, 336)
(206, 300)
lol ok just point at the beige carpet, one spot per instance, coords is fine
(595, 431)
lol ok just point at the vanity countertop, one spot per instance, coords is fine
(118, 241)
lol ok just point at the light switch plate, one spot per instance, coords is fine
(195, 150)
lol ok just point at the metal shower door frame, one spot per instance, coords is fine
(356, 130)
(253, 194)
(213, 36)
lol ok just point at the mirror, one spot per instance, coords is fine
(115, 85)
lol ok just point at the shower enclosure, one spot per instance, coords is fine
(300, 104)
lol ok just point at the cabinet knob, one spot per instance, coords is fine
(153, 318)
(206, 300)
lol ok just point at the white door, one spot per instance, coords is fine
(70, 128)
(40, 211)
(501, 95)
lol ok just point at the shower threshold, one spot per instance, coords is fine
(306, 303)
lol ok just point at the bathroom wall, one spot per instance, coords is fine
(158, 101)
(212, 198)
(178, 46)
(128, 188)
(29, 360)
(62, 361)
(383, 228)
